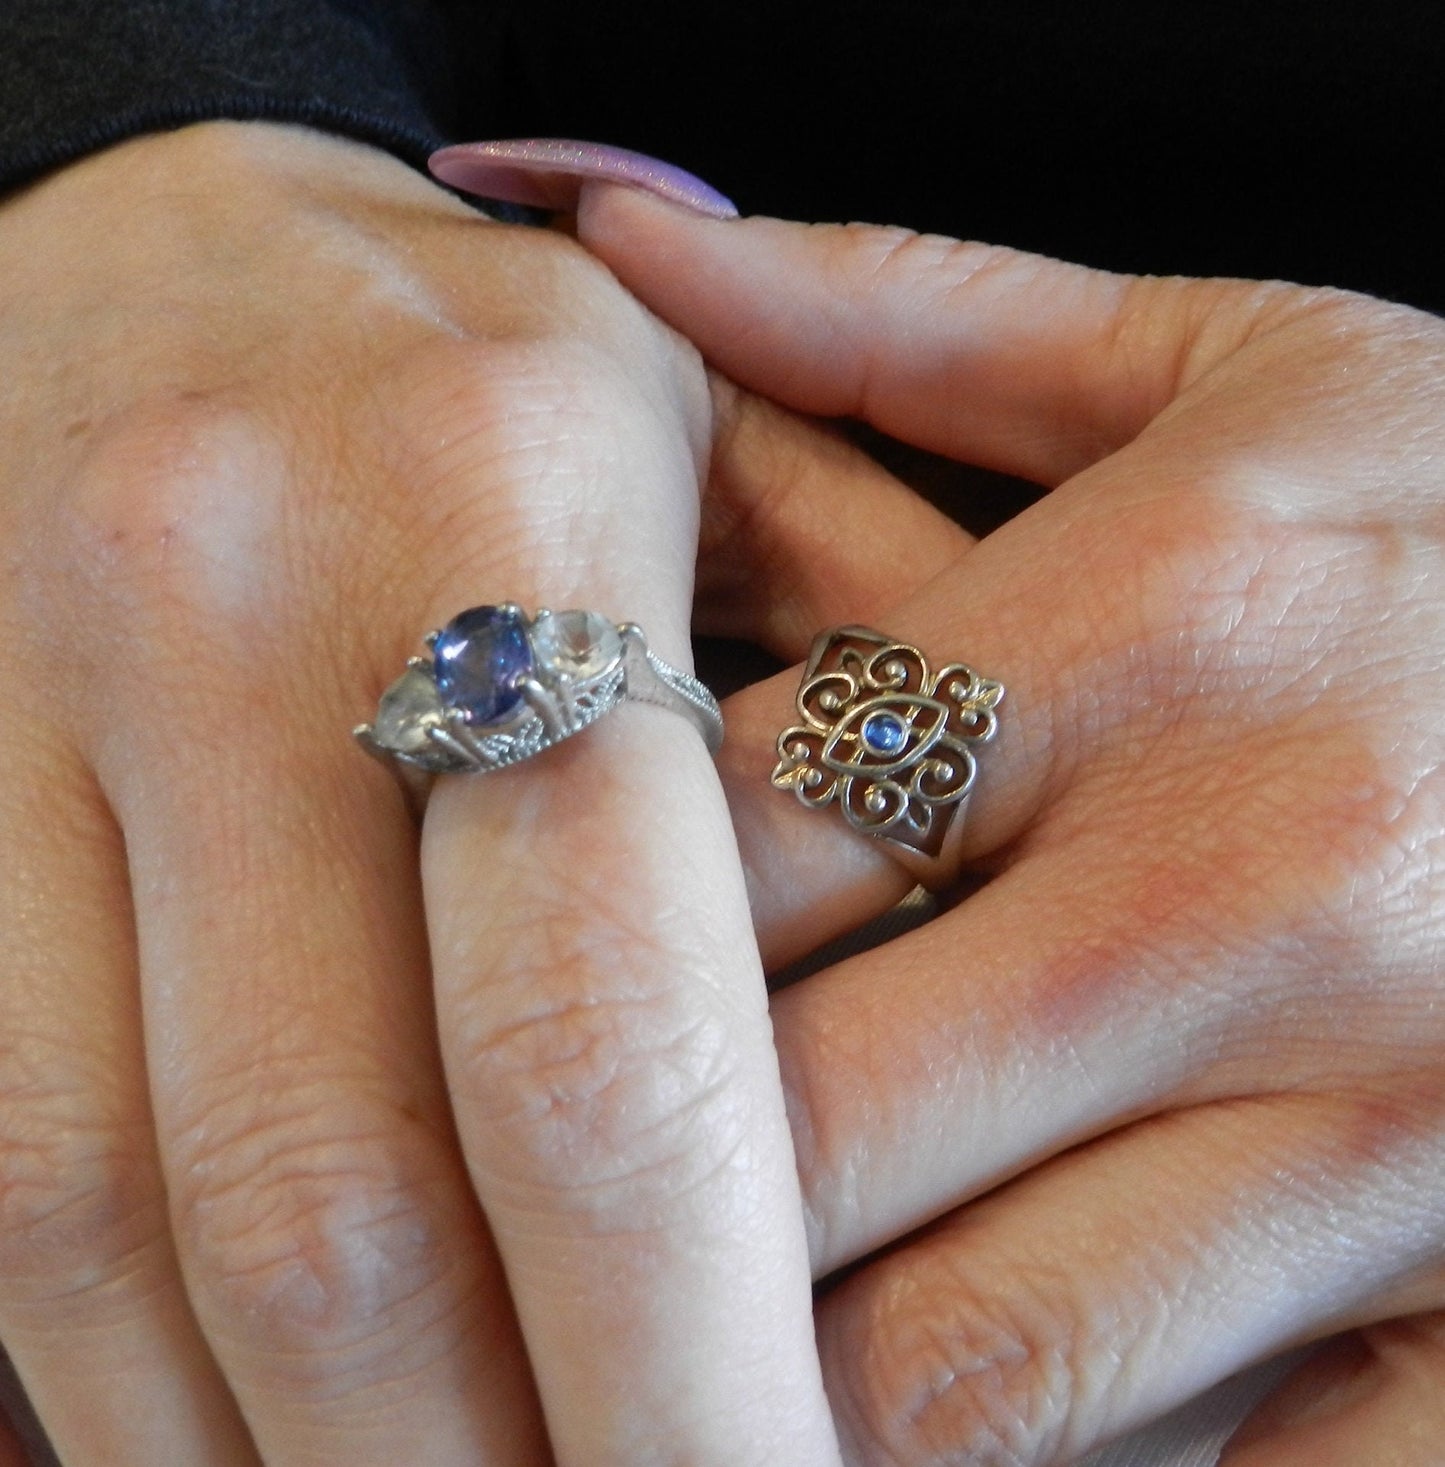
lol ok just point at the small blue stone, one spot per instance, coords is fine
(481, 656)
(884, 733)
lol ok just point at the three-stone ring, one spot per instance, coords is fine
(500, 687)
(890, 741)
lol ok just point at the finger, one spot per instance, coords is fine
(1098, 648)
(1373, 1395)
(1077, 961)
(995, 357)
(335, 1253)
(809, 878)
(802, 530)
(605, 1031)
(904, 1103)
(332, 1248)
(92, 1306)
(1103, 1289)
(810, 875)
(605, 1026)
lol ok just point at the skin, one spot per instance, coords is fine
(1159, 1092)
(325, 1138)
(320, 1158)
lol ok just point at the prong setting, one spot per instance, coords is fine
(500, 688)
(448, 739)
(551, 707)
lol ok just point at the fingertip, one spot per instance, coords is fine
(616, 217)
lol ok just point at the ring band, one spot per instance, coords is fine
(501, 687)
(890, 742)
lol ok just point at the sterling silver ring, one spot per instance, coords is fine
(890, 741)
(500, 687)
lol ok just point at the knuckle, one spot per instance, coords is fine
(1209, 593)
(568, 297)
(171, 514)
(1201, 535)
(931, 272)
(506, 386)
(1400, 1125)
(893, 256)
(925, 1375)
(310, 1230)
(602, 1095)
(555, 425)
(75, 1204)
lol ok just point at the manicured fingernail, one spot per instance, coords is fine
(548, 173)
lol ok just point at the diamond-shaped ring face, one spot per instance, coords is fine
(888, 739)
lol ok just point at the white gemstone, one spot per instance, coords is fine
(407, 709)
(577, 644)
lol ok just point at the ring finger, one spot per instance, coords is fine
(606, 1038)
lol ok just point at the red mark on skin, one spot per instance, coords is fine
(1130, 943)
(1238, 875)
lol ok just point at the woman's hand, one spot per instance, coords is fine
(1188, 1034)
(314, 1146)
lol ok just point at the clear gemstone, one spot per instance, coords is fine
(577, 644)
(481, 657)
(407, 709)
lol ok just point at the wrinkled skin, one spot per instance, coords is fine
(323, 1159)
(321, 1140)
(1162, 1089)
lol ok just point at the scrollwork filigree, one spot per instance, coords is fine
(885, 737)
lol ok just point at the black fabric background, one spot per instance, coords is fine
(1273, 139)
(1289, 139)
(77, 74)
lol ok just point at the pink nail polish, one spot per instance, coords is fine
(548, 173)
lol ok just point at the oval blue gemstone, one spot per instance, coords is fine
(481, 656)
(884, 733)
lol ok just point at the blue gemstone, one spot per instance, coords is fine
(481, 656)
(884, 733)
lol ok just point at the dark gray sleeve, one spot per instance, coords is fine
(76, 75)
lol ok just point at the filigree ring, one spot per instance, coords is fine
(891, 742)
(500, 687)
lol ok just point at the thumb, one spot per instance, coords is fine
(1004, 359)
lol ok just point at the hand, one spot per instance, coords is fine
(1164, 1094)
(314, 1146)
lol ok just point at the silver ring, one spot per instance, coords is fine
(501, 687)
(889, 740)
